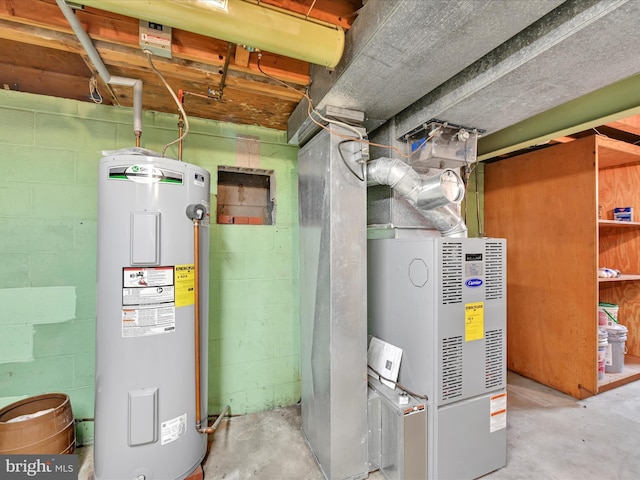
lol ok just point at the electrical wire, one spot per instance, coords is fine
(311, 111)
(399, 385)
(175, 98)
(423, 144)
(473, 168)
(94, 94)
(425, 141)
(599, 134)
(481, 232)
(360, 177)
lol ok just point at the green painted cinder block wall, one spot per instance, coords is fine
(49, 152)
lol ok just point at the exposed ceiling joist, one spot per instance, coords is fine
(38, 30)
(630, 125)
(487, 64)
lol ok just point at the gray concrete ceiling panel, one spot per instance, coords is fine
(567, 61)
(400, 50)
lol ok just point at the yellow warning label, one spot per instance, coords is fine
(473, 321)
(185, 284)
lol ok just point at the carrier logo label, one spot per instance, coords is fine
(474, 282)
(144, 174)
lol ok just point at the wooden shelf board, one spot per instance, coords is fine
(572, 257)
(613, 153)
(621, 278)
(617, 223)
(630, 373)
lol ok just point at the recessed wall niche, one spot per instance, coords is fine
(245, 196)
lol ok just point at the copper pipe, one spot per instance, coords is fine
(180, 124)
(201, 95)
(220, 417)
(213, 427)
(196, 213)
(196, 314)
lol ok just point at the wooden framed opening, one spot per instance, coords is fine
(245, 196)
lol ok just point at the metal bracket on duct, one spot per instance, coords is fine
(432, 196)
(100, 67)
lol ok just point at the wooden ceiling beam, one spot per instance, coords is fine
(134, 58)
(116, 29)
(236, 105)
(563, 140)
(44, 56)
(34, 12)
(38, 36)
(241, 57)
(40, 82)
(191, 46)
(335, 12)
(101, 86)
(630, 125)
(187, 71)
(232, 108)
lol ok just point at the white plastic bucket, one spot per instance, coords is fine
(616, 338)
(607, 314)
(603, 345)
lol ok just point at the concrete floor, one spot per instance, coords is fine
(550, 436)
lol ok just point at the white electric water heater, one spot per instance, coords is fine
(150, 251)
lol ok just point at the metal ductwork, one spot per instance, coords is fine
(432, 196)
(241, 22)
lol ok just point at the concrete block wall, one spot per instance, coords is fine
(49, 154)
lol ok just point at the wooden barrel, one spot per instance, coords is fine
(52, 432)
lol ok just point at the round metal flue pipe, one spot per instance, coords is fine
(241, 22)
(440, 189)
(432, 196)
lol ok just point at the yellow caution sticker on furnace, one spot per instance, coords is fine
(498, 412)
(473, 321)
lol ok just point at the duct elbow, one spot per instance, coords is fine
(447, 221)
(442, 189)
(432, 196)
(397, 175)
(461, 232)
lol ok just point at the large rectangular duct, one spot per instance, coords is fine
(333, 304)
